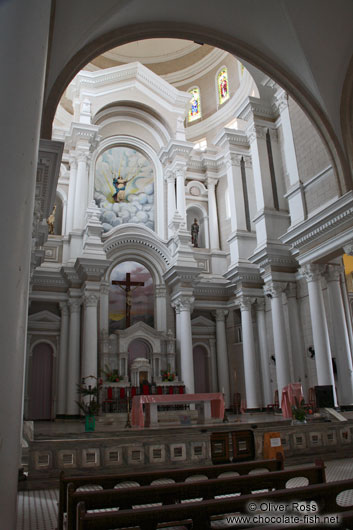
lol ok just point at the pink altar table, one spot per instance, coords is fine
(210, 406)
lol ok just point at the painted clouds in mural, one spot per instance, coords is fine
(124, 188)
(142, 297)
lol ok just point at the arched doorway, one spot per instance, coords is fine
(201, 371)
(41, 382)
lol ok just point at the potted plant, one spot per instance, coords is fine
(298, 411)
(167, 375)
(89, 400)
(111, 374)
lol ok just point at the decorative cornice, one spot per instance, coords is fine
(255, 107)
(324, 226)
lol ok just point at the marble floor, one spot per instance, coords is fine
(37, 509)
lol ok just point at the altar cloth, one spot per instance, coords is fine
(138, 416)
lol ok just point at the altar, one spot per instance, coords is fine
(209, 406)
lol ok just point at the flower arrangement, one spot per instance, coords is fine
(89, 394)
(111, 374)
(167, 375)
(299, 411)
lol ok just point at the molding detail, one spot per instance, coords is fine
(274, 289)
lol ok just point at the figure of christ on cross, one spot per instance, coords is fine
(126, 286)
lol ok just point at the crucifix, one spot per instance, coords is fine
(126, 286)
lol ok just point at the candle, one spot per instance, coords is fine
(222, 389)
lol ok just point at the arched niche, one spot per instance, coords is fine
(195, 211)
(40, 383)
(201, 369)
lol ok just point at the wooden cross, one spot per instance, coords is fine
(126, 286)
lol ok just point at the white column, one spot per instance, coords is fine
(321, 339)
(249, 355)
(24, 29)
(180, 184)
(213, 215)
(161, 307)
(340, 336)
(214, 374)
(186, 353)
(261, 167)
(171, 200)
(296, 338)
(177, 337)
(89, 362)
(104, 306)
(295, 195)
(71, 195)
(222, 356)
(264, 357)
(73, 365)
(81, 191)
(63, 354)
(275, 290)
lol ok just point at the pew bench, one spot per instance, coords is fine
(128, 498)
(145, 478)
(202, 514)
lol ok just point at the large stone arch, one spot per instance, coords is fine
(278, 71)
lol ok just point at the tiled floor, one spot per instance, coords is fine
(37, 510)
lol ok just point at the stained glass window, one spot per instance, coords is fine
(195, 104)
(223, 87)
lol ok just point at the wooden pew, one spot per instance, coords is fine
(145, 478)
(201, 513)
(173, 493)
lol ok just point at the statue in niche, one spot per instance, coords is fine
(51, 221)
(195, 233)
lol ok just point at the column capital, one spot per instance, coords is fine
(83, 156)
(348, 248)
(183, 303)
(256, 132)
(73, 162)
(220, 314)
(232, 159)
(333, 273)
(260, 304)
(274, 289)
(64, 308)
(74, 305)
(90, 299)
(291, 290)
(247, 161)
(211, 183)
(104, 287)
(246, 302)
(180, 172)
(281, 101)
(313, 272)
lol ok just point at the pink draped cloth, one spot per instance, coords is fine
(138, 417)
(289, 395)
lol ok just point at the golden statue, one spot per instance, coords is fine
(51, 221)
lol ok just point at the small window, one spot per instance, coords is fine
(195, 104)
(223, 86)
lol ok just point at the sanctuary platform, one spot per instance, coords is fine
(64, 446)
